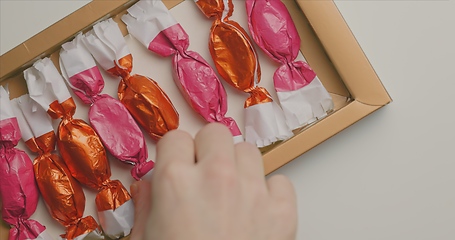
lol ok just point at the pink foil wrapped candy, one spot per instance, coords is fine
(151, 23)
(81, 148)
(116, 127)
(18, 189)
(301, 94)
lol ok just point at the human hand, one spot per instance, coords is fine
(208, 188)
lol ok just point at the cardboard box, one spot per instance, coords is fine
(327, 45)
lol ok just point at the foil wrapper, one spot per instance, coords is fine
(18, 189)
(236, 61)
(110, 119)
(300, 92)
(152, 24)
(142, 96)
(81, 148)
(63, 195)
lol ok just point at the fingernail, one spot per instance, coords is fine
(134, 188)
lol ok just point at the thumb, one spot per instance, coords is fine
(141, 193)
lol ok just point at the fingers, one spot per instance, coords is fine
(215, 146)
(283, 208)
(175, 147)
(249, 160)
(283, 195)
(281, 189)
(141, 193)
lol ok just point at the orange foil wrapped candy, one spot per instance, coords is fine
(62, 194)
(81, 149)
(142, 96)
(236, 60)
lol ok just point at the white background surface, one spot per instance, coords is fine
(390, 176)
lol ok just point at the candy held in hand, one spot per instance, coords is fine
(302, 95)
(237, 62)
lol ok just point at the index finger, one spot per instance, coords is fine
(215, 146)
(176, 147)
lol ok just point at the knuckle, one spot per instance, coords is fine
(221, 171)
(247, 150)
(172, 171)
(221, 159)
(223, 174)
(173, 135)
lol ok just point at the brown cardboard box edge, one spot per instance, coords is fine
(359, 89)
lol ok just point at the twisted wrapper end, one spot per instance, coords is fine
(140, 169)
(82, 228)
(25, 229)
(115, 209)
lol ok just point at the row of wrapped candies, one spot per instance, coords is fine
(141, 100)
(302, 96)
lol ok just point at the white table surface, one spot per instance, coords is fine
(390, 176)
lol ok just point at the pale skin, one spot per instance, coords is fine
(208, 188)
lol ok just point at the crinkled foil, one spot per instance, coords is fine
(111, 120)
(233, 52)
(80, 146)
(237, 62)
(302, 96)
(61, 192)
(84, 154)
(18, 190)
(274, 31)
(145, 100)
